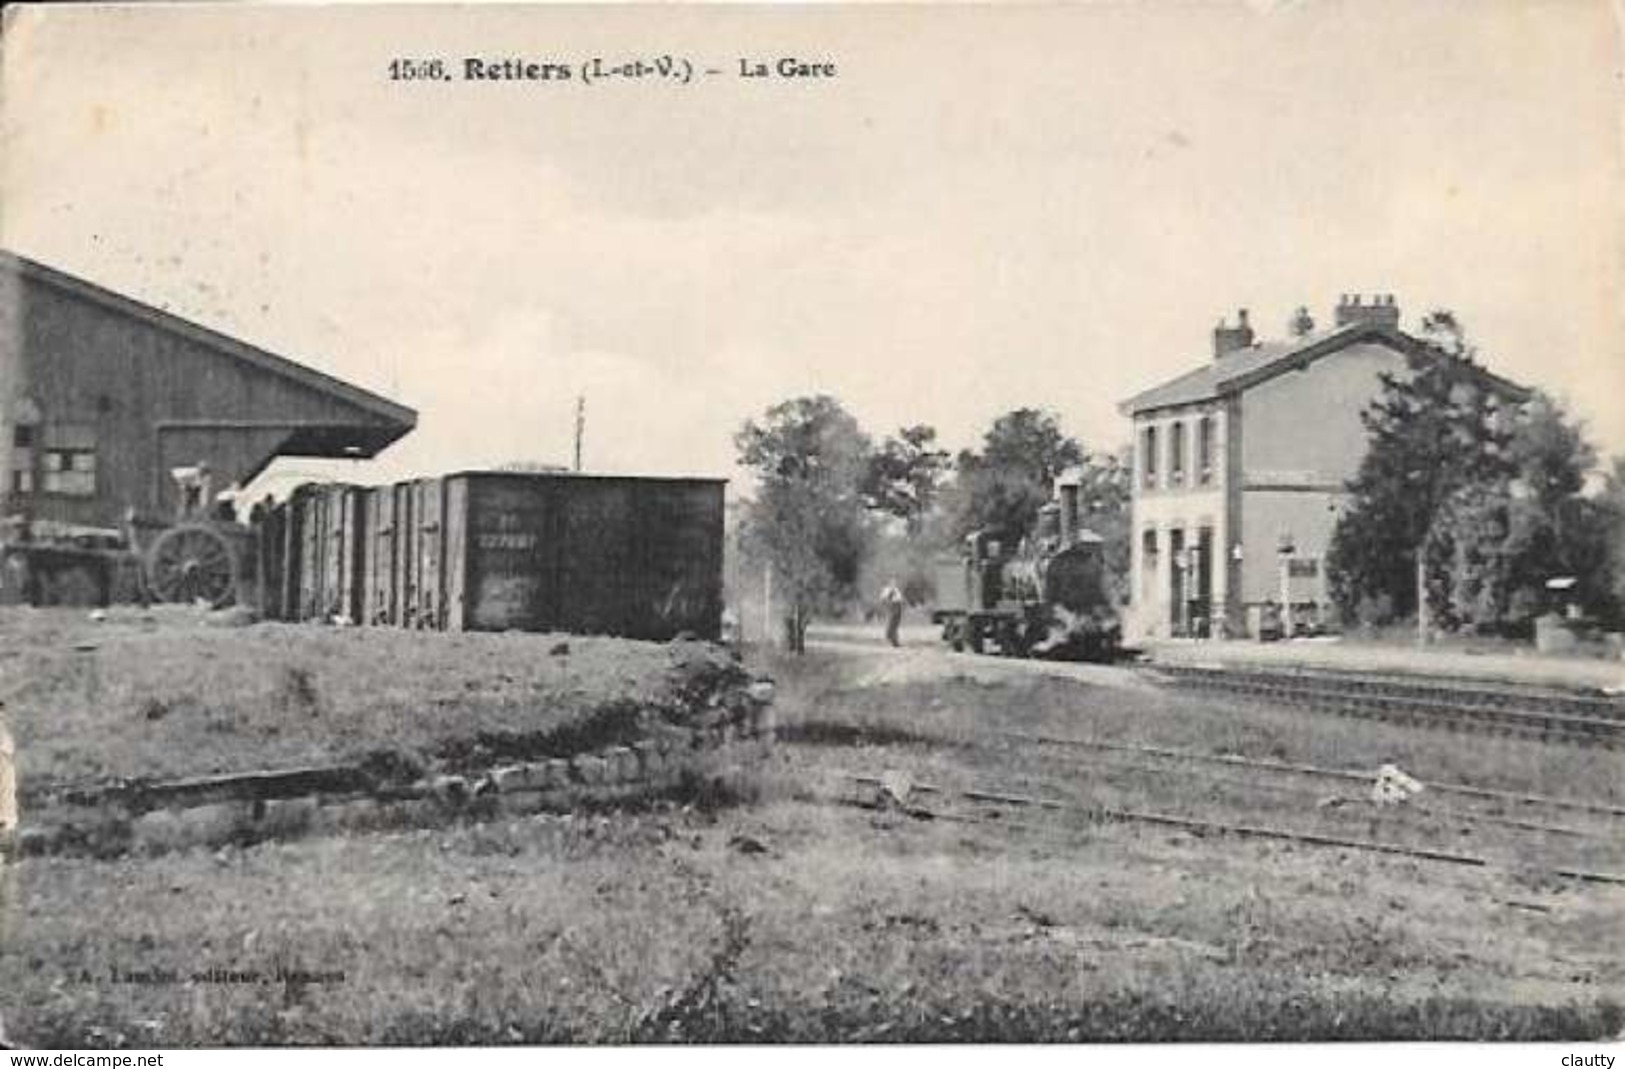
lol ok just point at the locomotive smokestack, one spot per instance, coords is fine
(1068, 493)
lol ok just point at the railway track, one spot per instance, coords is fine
(1511, 710)
(1166, 758)
(995, 803)
(1293, 788)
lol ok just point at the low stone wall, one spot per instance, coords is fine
(153, 818)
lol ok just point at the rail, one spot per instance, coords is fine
(1511, 709)
(1004, 799)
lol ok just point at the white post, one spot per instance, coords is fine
(1421, 595)
(1286, 595)
(767, 605)
(1184, 564)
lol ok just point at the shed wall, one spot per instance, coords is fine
(154, 399)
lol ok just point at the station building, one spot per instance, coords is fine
(1241, 466)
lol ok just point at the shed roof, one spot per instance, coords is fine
(384, 421)
(1239, 370)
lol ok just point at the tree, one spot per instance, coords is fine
(905, 474)
(1031, 441)
(1434, 431)
(1105, 498)
(1472, 553)
(1610, 527)
(1556, 530)
(1496, 544)
(807, 522)
(1003, 487)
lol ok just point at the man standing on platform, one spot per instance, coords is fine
(891, 602)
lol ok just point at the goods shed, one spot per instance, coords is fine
(120, 421)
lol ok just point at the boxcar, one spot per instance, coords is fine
(378, 592)
(406, 540)
(498, 551)
(636, 557)
(326, 522)
(425, 604)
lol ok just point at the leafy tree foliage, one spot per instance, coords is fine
(1434, 432)
(1560, 531)
(1472, 556)
(1104, 501)
(905, 474)
(1003, 487)
(1496, 544)
(1491, 494)
(808, 520)
(1610, 525)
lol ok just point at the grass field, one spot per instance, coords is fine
(788, 916)
(169, 694)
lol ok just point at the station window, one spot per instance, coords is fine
(1204, 450)
(1148, 457)
(1176, 454)
(69, 455)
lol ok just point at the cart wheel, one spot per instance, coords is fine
(975, 637)
(192, 563)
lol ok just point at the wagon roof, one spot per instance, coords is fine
(497, 473)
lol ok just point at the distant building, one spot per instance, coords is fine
(1241, 466)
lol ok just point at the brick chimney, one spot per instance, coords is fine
(1381, 310)
(1228, 339)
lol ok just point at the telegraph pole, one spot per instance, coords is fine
(581, 426)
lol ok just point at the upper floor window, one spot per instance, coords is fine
(1204, 449)
(1148, 457)
(68, 453)
(1176, 454)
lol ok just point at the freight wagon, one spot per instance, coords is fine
(496, 551)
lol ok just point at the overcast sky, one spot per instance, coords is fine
(985, 208)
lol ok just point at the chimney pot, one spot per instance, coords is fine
(1228, 339)
(1382, 310)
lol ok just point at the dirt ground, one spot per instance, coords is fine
(789, 913)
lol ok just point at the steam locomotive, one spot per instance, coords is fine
(1045, 596)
